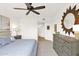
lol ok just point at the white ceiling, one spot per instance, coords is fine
(49, 12)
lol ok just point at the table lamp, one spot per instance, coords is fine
(76, 30)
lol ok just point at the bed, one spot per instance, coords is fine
(20, 47)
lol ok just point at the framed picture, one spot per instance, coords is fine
(48, 27)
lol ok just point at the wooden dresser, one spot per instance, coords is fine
(65, 45)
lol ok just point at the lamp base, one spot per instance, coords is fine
(76, 35)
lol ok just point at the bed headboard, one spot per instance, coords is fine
(4, 26)
(4, 33)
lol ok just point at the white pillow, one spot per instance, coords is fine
(12, 38)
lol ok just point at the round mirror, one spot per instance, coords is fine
(69, 21)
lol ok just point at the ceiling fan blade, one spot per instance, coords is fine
(28, 4)
(20, 8)
(39, 7)
(36, 12)
(28, 12)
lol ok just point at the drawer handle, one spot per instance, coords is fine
(66, 41)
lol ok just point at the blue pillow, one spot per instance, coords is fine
(4, 41)
(0, 45)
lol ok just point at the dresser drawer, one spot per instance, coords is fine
(64, 54)
(59, 40)
(68, 45)
(65, 45)
(67, 51)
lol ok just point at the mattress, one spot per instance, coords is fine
(23, 47)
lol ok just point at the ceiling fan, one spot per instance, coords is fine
(31, 8)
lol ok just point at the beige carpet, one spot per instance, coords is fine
(45, 48)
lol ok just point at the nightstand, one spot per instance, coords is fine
(17, 37)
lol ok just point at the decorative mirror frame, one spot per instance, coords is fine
(75, 13)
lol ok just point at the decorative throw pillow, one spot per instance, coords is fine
(0, 45)
(4, 40)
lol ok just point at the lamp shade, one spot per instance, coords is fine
(76, 27)
(15, 30)
(76, 31)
